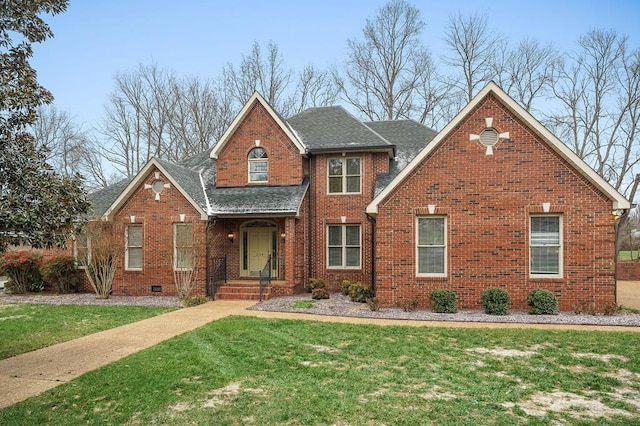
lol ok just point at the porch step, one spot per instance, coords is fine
(242, 290)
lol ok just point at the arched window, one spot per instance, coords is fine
(258, 165)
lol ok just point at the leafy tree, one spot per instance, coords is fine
(38, 207)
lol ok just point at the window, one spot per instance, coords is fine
(81, 250)
(182, 246)
(343, 246)
(344, 175)
(432, 246)
(545, 245)
(258, 165)
(133, 247)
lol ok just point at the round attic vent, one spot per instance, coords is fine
(157, 186)
(489, 137)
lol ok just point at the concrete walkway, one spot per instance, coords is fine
(32, 373)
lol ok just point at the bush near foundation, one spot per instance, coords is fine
(319, 293)
(314, 283)
(542, 302)
(359, 292)
(495, 301)
(23, 269)
(61, 274)
(443, 301)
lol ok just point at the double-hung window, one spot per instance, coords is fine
(344, 175)
(545, 245)
(182, 246)
(81, 250)
(258, 165)
(343, 246)
(133, 247)
(431, 250)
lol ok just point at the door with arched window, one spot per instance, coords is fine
(258, 242)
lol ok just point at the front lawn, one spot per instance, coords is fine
(242, 370)
(25, 327)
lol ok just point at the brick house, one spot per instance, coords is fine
(493, 199)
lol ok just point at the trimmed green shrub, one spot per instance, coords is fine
(495, 301)
(315, 283)
(345, 286)
(443, 301)
(319, 293)
(359, 292)
(23, 268)
(61, 274)
(374, 304)
(542, 302)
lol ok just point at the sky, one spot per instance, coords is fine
(96, 39)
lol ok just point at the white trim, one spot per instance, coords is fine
(560, 273)
(618, 200)
(256, 97)
(126, 247)
(417, 246)
(344, 175)
(137, 181)
(177, 225)
(343, 246)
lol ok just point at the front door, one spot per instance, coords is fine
(259, 241)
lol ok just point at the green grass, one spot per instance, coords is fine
(242, 370)
(25, 327)
(628, 255)
(302, 304)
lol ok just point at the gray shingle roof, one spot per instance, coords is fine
(409, 136)
(102, 199)
(333, 128)
(189, 181)
(253, 200)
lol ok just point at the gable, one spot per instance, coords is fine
(182, 182)
(487, 122)
(256, 98)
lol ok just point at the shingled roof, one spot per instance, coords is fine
(335, 129)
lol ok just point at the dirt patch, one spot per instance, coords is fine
(501, 352)
(601, 357)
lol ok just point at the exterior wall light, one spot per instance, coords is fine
(230, 237)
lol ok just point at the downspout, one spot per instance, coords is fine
(372, 220)
(210, 224)
(310, 224)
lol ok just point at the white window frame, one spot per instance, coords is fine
(559, 245)
(176, 226)
(261, 160)
(344, 246)
(81, 265)
(344, 176)
(127, 247)
(444, 245)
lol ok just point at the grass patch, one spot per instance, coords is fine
(241, 370)
(25, 327)
(302, 304)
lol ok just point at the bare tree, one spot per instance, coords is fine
(389, 66)
(315, 88)
(526, 71)
(100, 264)
(598, 90)
(267, 75)
(473, 47)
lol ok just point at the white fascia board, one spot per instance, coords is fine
(618, 200)
(256, 97)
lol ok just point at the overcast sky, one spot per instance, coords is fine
(95, 39)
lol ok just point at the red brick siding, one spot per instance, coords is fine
(628, 271)
(329, 209)
(285, 161)
(488, 201)
(157, 219)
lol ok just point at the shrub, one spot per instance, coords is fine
(374, 304)
(23, 268)
(495, 301)
(585, 307)
(193, 301)
(409, 305)
(359, 292)
(443, 301)
(345, 286)
(542, 302)
(61, 274)
(611, 308)
(319, 293)
(315, 283)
